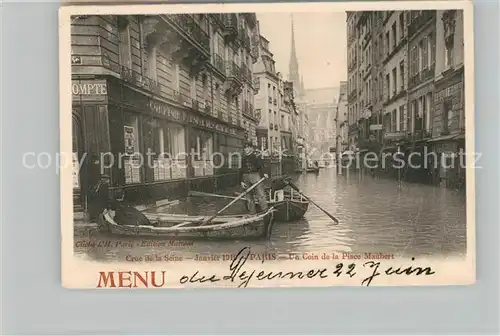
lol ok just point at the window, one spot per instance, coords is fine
(131, 162)
(449, 54)
(394, 82)
(270, 117)
(175, 77)
(215, 43)
(217, 95)
(417, 117)
(402, 75)
(282, 121)
(414, 61)
(393, 120)
(428, 109)
(402, 118)
(387, 87)
(202, 147)
(387, 43)
(193, 88)
(432, 49)
(375, 89)
(425, 112)
(206, 93)
(394, 37)
(447, 116)
(381, 87)
(125, 53)
(401, 25)
(425, 53)
(152, 66)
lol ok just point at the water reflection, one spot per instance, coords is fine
(376, 215)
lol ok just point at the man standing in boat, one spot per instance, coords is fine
(252, 170)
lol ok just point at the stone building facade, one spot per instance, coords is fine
(155, 96)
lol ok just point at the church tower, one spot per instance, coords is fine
(293, 68)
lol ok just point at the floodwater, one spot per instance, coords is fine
(375, 214)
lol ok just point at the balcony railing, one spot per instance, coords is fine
(130, 76)
(187, 24)
(420, 21)
(248, 109)
(231, 22)
(424, 75)
(245, 39)
(184, 99)
(233, 70)
(247, 74)
(219, 63)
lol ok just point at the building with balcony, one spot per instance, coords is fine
(341, 122)
(422, 64)
(365, 51)
(266, 100)
(417, 86)
(287, 112)
(378, 32)
(353, 78)
(448, 121)
(395, 80)
(159, 94)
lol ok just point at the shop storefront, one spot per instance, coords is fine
(150, 146)
(89, 134)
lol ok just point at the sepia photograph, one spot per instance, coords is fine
(269, 145)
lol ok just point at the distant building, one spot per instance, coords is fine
(322, 110)
(406, 87)
(341, 122)
(267, 100)
(448, 124)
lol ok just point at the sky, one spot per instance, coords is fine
(320, 40)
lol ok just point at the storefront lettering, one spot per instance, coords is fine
(89, 89)
(165, 110)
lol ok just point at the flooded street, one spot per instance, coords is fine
(375, 216)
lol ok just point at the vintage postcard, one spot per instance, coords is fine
(267, 145)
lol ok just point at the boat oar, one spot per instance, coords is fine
(310, 200)
(243, 194)
(204, 194)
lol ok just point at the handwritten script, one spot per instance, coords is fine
(241, 275)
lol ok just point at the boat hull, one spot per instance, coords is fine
(239, 228)
(289, 210)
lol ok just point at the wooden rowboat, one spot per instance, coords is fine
(170, 226)
(312, 170)
(290, 205)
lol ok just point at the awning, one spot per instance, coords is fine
(445, 137)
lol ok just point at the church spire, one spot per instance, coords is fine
(293, 68)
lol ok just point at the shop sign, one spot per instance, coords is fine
(395, 136)
(164, 110)
(376, 127)
(89, 90)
